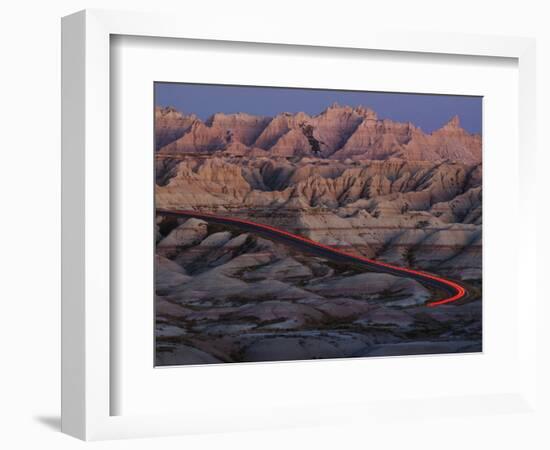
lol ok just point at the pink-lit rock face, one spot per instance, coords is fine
(170, 125)
(339, 132)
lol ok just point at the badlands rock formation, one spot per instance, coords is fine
(339, 132)
(233, 297)
(378, 188)
(394, 210)
(170, 125)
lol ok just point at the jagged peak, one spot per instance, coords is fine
(166, 110)
(170, 113)
(335, 107)
(453, 123)
(367, 113)
(286, 115)
(222, 117)
(360, 110)
(413, 128)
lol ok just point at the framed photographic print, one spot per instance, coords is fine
(297, 224)
(282, 241)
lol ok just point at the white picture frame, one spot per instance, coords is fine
(87, 386)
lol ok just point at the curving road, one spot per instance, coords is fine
(453, 291)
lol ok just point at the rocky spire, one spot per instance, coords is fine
(362, 111)
(453, 123)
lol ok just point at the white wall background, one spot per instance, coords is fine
(30, 188)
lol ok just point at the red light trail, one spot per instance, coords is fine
(458, 292)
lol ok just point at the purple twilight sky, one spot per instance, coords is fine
(428, 111)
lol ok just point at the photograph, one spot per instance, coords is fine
(298, 224)
(276, 226)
